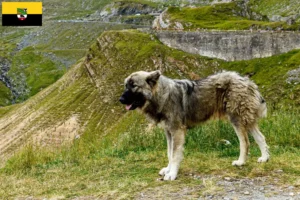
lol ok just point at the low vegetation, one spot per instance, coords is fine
(281, 8)
(115, 156)
(5, 95)
(226, 16)
(128, 165)
(37, 59)
(56, 54)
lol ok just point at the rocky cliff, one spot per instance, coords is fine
(127, 12)
(231, 45)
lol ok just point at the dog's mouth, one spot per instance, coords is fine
(134, 105)
(132, 101)
(128, 107)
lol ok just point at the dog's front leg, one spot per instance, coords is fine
(166, 170)
(176, 153)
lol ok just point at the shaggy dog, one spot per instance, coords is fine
(181, 104)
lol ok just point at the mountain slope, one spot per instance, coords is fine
(226, 16)
(35, 57)
(85, 100)
(113, 155)
(278, 10)
(89, 91)
(5, 95)
(63, 38)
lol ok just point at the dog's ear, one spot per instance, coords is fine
(153, 77)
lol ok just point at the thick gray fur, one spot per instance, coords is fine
(177, 105)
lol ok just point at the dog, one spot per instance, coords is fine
(178, 105)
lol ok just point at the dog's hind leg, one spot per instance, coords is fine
(166, 170)
(244, 145)
(261, 141)
(176, 154)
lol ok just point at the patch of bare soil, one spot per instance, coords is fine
(58, 134)
(13, 134)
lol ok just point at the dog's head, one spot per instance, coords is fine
(139, 89)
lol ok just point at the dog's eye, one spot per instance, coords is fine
(132, 84)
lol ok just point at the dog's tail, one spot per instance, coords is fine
(262, 110)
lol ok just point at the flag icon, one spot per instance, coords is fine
(22, 13)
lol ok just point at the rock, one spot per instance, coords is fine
(111, 12)
(159, 22)
(291, 21)
(291, 187)
(291, 194)
(229, 45)
(226, 142)
(246, 192)
(227, 178)
(178, 26)
(77, 137)
(293, 76)
(246, 12)
(275, 18)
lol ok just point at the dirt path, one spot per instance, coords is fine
(226, 188)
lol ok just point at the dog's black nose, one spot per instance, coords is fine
(122, 100)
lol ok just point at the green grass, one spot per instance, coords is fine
(39, 71)
(47, 59)
(115, 157)
(72, 39)
(5, 95)
(7, 108)
(220, 17)
(283, 8)
(128, 164)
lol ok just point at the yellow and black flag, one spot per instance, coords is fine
(22, 13)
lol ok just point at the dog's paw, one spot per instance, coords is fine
(263, 159)
(164, 171)
(170, 177)
(238, 163)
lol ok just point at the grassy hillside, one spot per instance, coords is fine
(43, 59)
(64, 38)
(38, 56)
(114, 155)
(283, 8)
(5, 95)
(9, 38)
(226, 16)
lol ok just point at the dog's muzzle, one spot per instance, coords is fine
(132, 100)
(122, 100)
